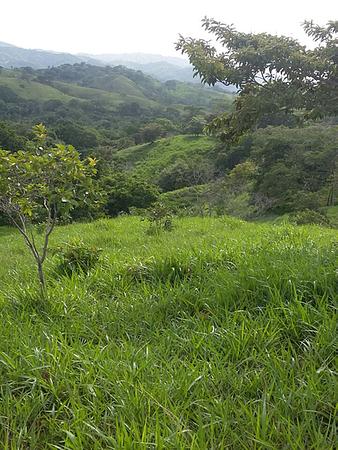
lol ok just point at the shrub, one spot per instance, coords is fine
(309, 217)
(76, 256)
(184, 173)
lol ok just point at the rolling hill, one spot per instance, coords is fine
(123, 82)
(115, 102)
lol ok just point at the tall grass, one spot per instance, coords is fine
(218, 334)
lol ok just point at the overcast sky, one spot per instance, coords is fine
(152, 26)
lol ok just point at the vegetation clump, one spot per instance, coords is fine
(160, 219)
(76, 257)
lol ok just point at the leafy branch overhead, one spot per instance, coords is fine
(273, 74)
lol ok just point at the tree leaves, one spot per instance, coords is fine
(273, 74)
(42, 184)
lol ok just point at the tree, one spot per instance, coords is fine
(9, 137)
(185, 172)
(40, 185)
(79, 136)
(195, 125)
(151, 132)
(297, 167)
(274, 75)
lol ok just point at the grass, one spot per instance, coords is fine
(218, 334)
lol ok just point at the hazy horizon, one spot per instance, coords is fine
(149, 26)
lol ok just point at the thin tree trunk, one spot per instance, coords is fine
(330, 197)
(41, 278)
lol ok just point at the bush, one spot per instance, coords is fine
(124, 191)
(160, 219)
(184, 173)
(76, 256)
(309, 217)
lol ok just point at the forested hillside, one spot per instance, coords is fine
(89, 106)
(105, 111)
(276, 169)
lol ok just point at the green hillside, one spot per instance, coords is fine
(107, 99)
(86, 93)
(29, 89)
(150, 159)
(114, 102)
(117, 80)
(272, 169)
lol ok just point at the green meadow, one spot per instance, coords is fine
(218, 334)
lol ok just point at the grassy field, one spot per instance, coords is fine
(218, 334)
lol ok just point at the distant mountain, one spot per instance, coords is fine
(139, 58)
(12, 56)
(163, 68)
(4, 44)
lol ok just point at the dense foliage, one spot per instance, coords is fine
(303, 161)
(123, 191)
(294, 169)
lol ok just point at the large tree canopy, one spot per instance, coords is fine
(274, 75)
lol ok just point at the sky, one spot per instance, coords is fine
(151, 26)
